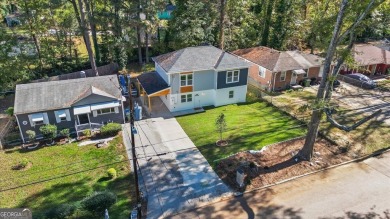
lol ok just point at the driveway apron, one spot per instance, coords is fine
(174, 175)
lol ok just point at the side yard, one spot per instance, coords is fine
(250, 126)
(56, 175)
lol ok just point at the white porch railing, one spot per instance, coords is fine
(91, 126)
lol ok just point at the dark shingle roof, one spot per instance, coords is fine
(199, 58)
(152, 82)
(277, 61)
(52, 95)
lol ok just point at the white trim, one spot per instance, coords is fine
(186, 76)
(186, 98)
(45, 119)
(20, 129)
(67, 112)
(233, 81)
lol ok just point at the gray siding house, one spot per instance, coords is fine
(194, 77)
(77, 104)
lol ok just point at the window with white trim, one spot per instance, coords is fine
(231, 94)
(105, 111)
(186, 98)
(186, 80)
(232, 76)
(262, 72)
(283, 76)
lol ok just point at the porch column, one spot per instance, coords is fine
(149, 105)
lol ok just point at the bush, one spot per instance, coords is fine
(110, 129)
(111, 173)
(98, 202)
(9, 111)
(62, 211)
(65, 133)
(31, 135)
(87, 133)
(23, 163)
(49, 131)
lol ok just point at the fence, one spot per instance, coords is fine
(6, 128)
(102, 70)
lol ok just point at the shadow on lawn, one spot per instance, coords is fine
(74, 192)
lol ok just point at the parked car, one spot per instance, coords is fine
(362, 80)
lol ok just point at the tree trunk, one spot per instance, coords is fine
(222, 25)
(267, 23)
(146, 47)
(86, 38)
(77, 14)
(139, 34)
(307, 150)
(91, 18)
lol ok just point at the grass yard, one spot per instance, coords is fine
(250, 127)
(57, 161)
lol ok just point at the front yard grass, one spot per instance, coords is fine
(55, 162)
(250, 126)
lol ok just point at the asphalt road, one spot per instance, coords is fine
(355, 190)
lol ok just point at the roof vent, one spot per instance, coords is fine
(82, 74)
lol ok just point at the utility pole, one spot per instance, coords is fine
(134, 156)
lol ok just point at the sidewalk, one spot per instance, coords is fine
(356, 189)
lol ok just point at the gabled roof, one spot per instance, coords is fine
(277, 61)
(152, 82)
(199, 58)
(367, 54)
(43, 96)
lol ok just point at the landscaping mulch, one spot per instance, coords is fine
(278, 162)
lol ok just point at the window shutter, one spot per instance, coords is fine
(116, 109)
(58, 120)
(45, 118)
(94, 113)
(67, 115)
(31, 122)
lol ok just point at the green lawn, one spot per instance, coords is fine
(250, 127)
(57, 161)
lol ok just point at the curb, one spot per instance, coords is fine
(238, 194)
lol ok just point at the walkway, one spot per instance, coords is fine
(174, 174)
(355, 190)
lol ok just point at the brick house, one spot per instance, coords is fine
(278, 70)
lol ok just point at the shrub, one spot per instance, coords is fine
(97, 202)
(49, 131)
(31, 135)
(110, 129)
(111, 173)
(61, 211)
(65, 133)
(87, 133)
(23, 163)
(9, 111)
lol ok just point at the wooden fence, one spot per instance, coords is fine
(102, 70)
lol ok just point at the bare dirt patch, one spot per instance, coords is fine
(277, 163)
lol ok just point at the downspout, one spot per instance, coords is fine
(274, 78)
(20, 130)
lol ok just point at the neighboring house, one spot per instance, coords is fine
(369, 59)
(275, 70)
(194, 77)
(77, 104)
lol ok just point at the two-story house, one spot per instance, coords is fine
(77, 104)
(194, 77)
(278, 70)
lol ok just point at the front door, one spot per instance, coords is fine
(83, 119)
(293, 79)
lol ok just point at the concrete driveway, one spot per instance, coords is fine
(356, 190)
(175, 176)
(361, 101)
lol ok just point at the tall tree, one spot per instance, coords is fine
(222, 24)
(336, 39)
(85, 31)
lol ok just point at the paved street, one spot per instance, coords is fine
(349, 191)
(175, 175)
